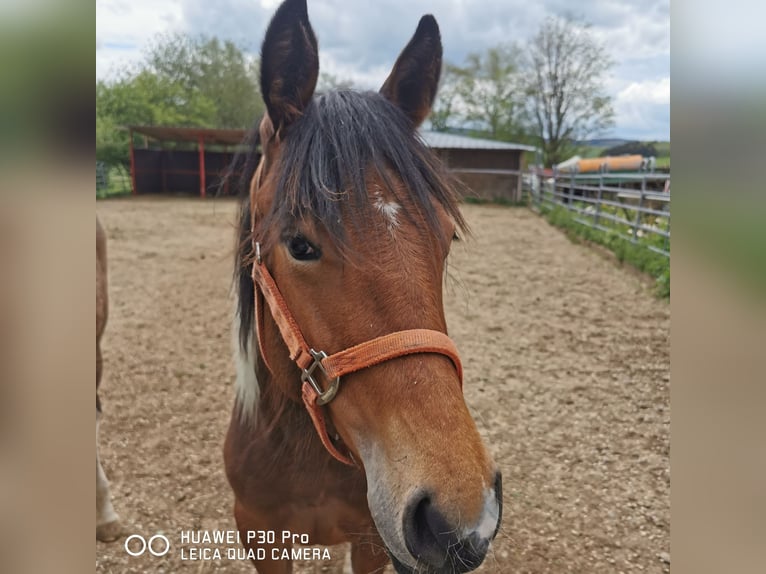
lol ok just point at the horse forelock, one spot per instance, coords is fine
(342, 141)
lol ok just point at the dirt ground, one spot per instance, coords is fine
(567, 361)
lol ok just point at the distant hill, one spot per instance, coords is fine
(603, 142)
(614, 142)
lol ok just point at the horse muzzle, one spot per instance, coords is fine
(438, 546)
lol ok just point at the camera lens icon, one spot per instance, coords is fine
(155, 548)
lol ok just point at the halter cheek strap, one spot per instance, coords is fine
(334, 366)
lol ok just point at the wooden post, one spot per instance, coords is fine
(637, 221)
(554, 198)
(201, 145)
(132, 163)
(600, 195)
(571, 191)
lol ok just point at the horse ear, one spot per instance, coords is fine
(413, 82)
(289, 63)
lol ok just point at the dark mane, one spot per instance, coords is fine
(329, 153)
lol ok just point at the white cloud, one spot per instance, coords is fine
(125, 27)
(360, 40)
(642, 110)
(647, 92)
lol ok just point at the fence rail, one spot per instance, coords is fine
(634, 206)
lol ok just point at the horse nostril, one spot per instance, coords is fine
(422, 529)
(432, 540)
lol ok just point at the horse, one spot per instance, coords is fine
(363, 436)
(107, 522)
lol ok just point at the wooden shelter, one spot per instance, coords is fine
(182, 160)
(492, 170)
(193, 160)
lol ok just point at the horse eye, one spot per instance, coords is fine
(455, 236)
(301, 249)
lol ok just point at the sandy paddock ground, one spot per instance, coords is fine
(567, 375)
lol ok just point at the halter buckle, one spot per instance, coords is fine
(258, 259)
(323, 397)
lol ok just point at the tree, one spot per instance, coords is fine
(492, 92)
(218, 71)
(565, 74)
(486, 92)
(444, 109)
(143, 99)
(181, 81)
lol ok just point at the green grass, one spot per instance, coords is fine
(663, 149)
(730, 232)
(498, 201)
(590, 151)
(662, 162)
(636, 255)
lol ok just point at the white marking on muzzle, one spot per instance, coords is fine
(487, 524)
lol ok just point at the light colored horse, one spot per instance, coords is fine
(107, 521)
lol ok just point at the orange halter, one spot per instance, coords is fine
(344, 362)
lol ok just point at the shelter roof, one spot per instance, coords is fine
(442, 140)
(177, 134)
(438, 140)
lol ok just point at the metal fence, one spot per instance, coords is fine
(102, 175)
(635, 206)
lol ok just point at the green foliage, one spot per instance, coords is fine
(119, 184)
(590, 151)
(182, 81)
(550, 94)
(662, 162)
(635, 254)
(485, 92)
(215, 71)
(729, 232)
(663, 149)
(111, 142)
(143, 99)
(489, 88)
(646, 149)
(444, 109)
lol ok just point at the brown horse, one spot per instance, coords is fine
(342, 244)
(107, 521)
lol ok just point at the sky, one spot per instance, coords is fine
(360, 39)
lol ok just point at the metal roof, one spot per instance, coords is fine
(441, 140)
(209, 135)
(438, 140)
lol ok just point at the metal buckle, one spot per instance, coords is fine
(258, 253)
(308, 375)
